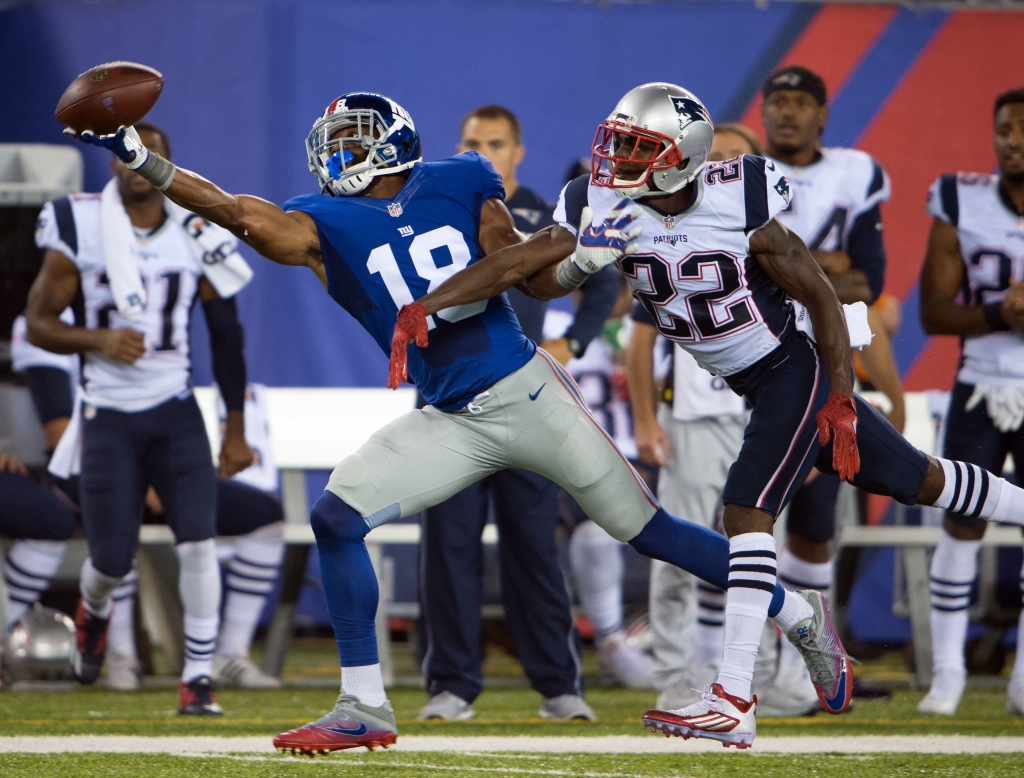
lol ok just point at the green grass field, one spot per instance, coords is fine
(507, 710)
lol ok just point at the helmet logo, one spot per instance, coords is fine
(395, 209)
(690, 110)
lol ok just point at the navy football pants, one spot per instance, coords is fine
(29, 511)
(533, 588)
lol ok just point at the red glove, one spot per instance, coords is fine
(411, 325)
(839, 417)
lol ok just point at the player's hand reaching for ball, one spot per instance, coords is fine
(125, 143)
(123, 344)
(411, 325)
(837, 421)
(609, 240)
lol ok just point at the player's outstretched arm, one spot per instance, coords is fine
(942, 280)
(54, 290)
(286, 238)
(785, 258)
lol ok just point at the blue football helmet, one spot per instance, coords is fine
(384, 141)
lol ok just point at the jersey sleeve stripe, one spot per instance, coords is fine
(877, 180)
(948, 195)
(576, 200)
(66, 223)
(755, 192)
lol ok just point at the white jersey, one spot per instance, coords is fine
(170, 273)
(693, 272)
(262, 473)
(24, 355)
(992, 246)
(829, 194)
(696, 394)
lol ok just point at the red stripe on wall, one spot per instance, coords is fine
(935, 366)
(832, 45)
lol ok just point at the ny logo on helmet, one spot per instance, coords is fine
(689, 109)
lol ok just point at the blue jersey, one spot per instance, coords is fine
(382, 254)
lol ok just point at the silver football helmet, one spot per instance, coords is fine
(656, 141)
(36, 650)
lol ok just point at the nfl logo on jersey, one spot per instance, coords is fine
(395, 209)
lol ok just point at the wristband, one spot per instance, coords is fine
(994, 317)
(569, 274)
(158, 171)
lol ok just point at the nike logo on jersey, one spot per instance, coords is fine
(360, 730)
(535, 394)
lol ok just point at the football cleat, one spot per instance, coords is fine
(446, 706)
(198, 698)
(718, 716)
(817, 640)
(630, 666)
(90, 645)
(1015, 695)
(350, 725)
(943, 697)
(123, 672)
(566, 707)
(240, 671)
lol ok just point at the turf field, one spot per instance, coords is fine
(507, 710)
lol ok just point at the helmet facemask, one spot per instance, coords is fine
(625, 157)
(346, 165)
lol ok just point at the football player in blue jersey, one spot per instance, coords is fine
(385, 230)
(716, 272)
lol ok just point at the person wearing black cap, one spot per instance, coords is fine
(835, 210)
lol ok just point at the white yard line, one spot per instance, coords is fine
(614, 744)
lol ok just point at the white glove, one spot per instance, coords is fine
(618, 234)
(1004, 404)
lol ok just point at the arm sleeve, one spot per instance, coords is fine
(599, 293)
(50, 388)
(55, 228)
(765, 192)
(571, 202)
(866, 249)
(943, 202)
(226, 343)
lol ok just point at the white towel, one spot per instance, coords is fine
(67, 457)
(856, 323)
(213, 246)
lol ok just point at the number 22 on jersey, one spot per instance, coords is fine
(382, 260)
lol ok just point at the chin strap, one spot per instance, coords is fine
(411, 325)
(837, 420)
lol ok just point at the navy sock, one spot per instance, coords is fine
(693, 548)
(350, 584)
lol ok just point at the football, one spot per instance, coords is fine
(107, 96)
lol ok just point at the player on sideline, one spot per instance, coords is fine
(721, 294)
(138, 424)
(976, 247)
(496, 401)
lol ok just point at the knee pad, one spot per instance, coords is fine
(335, 521)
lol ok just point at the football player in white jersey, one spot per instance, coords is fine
(834, 208)
(972, 285)
(715, 270)
(139, 424)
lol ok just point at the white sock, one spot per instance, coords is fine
(250, 579)
(794, 610)
(972, 491)
(1018, 662)
(752, 575)
(121, 630)
(597, 567)
(953, 570)
(365, 684)
(96, 588)
(798, 574)
(709, 636)
(28, 569)
(199, 586)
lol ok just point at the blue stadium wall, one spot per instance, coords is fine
(245, 80)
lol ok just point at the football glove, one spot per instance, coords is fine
(618, 234)
(411, 325)
(837, 420)
(125, 143)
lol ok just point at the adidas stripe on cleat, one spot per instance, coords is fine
(718, 716)
(817, 640)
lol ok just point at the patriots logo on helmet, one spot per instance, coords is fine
(689, 109)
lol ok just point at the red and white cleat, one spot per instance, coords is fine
(718, 716)
(350, 725)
